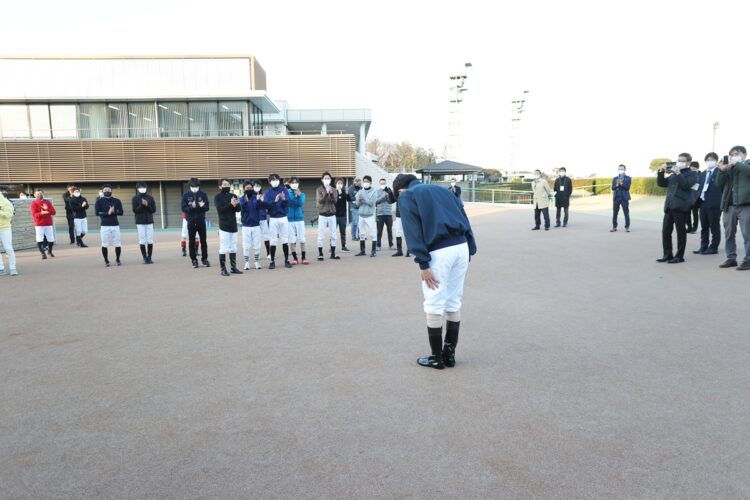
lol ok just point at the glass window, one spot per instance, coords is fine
(233, 118)
(118, 120)
(40, 126)
(93, 120)
(173, 119)
(142, 119)
(14, 121)
(64, 122)
(203, 119)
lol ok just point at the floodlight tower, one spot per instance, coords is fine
(517, 108)
(455, 96)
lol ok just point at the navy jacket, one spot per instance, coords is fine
(279, 208)
(713, 193)
(621, 193)
(352, 197)
(102, 207)
(562, 198)
(433, 218)
(251, 210)
(679, 189)
(198, 214)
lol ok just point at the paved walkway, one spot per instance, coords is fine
(585, 370)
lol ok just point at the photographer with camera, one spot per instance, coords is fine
(681, 184)
(734, 179)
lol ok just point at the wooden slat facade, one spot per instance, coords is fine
(124, 160)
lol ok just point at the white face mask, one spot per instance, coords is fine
(142, 190)
(294, 186)
(537, 177)
(366, 185)
(621, 172)
(562, 174)
(326, 182)
(681, 165)
(453, 184)
(194, 189)
(274, 183)
(382, 186)
(711, 164)
(256, 189)
(339, 186)
(77, 194)
(736, 159)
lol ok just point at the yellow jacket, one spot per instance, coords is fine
(6, 212)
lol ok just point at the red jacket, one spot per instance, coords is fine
(41, 219)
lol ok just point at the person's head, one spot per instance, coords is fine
(293, 183)
(70, 188)
(257, 187)
(142, 187)
(39, 194)
(562, 172)
(401, 183)
(76, 191)
(339, 183)
(358, 182)
(225, 185)
(107, 190)
(366, 182)
(382, 183)
(287, 181)
(737, 154)
(537, 174)
(694, 165)
(194, 184)
(621, 169)
(326, 178)
(247, 187)
(274, 180)
(4, 191)
(454, 180)
(683, 160)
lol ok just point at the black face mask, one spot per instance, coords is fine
(249, 192)
(108, 194)
(225, 190)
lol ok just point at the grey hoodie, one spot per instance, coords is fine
(367, 199)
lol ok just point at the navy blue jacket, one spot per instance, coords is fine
(621, 192)
(194, 215)
(276, 209)
(251, 209)
(102, 207)
(713, 193)
(433, 218)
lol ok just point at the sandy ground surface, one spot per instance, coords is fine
(585, 370)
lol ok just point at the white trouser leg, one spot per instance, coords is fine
(110, 236)
(279, 229)
(330, 223)
(448, 266)
(81, 226)
(367, 227)
(45, 231)
(6, 238)
(145, 234)
(398, 228)
(227, 242)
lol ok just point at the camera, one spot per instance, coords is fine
(670, 166)
(726, 159)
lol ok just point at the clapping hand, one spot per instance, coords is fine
(144, 202)
(111, 210)
(201, 204)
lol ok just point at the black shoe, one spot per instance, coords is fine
(44, 256)
(565, 225)
(287, 264)
(184, 252)
(360, 254)
(272, 265)
(145, 260)
(627, 229)
(49, 251)
(676, 260)
(344, 249)
(236, 271)
(613, 230)
(699, 251)
(195, 264)
(106, 263)
(557, 225)
(398, 253)
(546, 228)
(83, 245)
(73, 242)
(373, 254)
(728, 263)
(432, 362)
(665, 258)
(744, 266)
(535, 228)
(334, 257)
(407, 254)
(118, 262)
(710, 251)
(224, 271)
(320, 257)
(449, 355)
(206, 263)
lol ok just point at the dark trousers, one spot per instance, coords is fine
(710, 221)
(199, 228)
(674, 219)
(565, 218)
(341, 223)
(537, 218)
(691, 222)
(71, 226)
(625, 204)
(385, 220)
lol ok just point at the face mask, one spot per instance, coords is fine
(225, 190)
(77, 194)
(736, 159)
(294, 186)
(256, 189)
(339, 186)
(681, 165)
(621, 172)
(366, 185)
(40, 196)
(248, 191)
(536, 176)
(142, 190)
(274, 184)
(326, 182)
(562, 174)
(711, 164)
(453, 184)
(107, 194)
(382, 186)
(194, 189)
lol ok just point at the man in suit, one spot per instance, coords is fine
(693, 217)
(710, 207)
(455, 188)
(680, 185)
(563, 190)
(621, 198)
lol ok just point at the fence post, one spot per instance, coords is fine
(493, 196)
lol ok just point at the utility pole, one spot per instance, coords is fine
(713, 142)
(517, 108)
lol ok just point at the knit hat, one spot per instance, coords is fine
(402, 181)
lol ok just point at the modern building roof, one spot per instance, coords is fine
(448, 167)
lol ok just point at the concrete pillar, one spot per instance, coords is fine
(362, 139)
(324, 129)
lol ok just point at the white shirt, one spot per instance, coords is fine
(706, 184)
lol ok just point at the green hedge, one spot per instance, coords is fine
(603, 185)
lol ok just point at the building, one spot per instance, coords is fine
(162, 120)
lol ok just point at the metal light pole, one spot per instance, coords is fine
(455, 90)
(713, 142)
(516, 110)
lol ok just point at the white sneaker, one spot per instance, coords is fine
(247, 266)
(13, 272)
(268, 256)
(257, 265)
